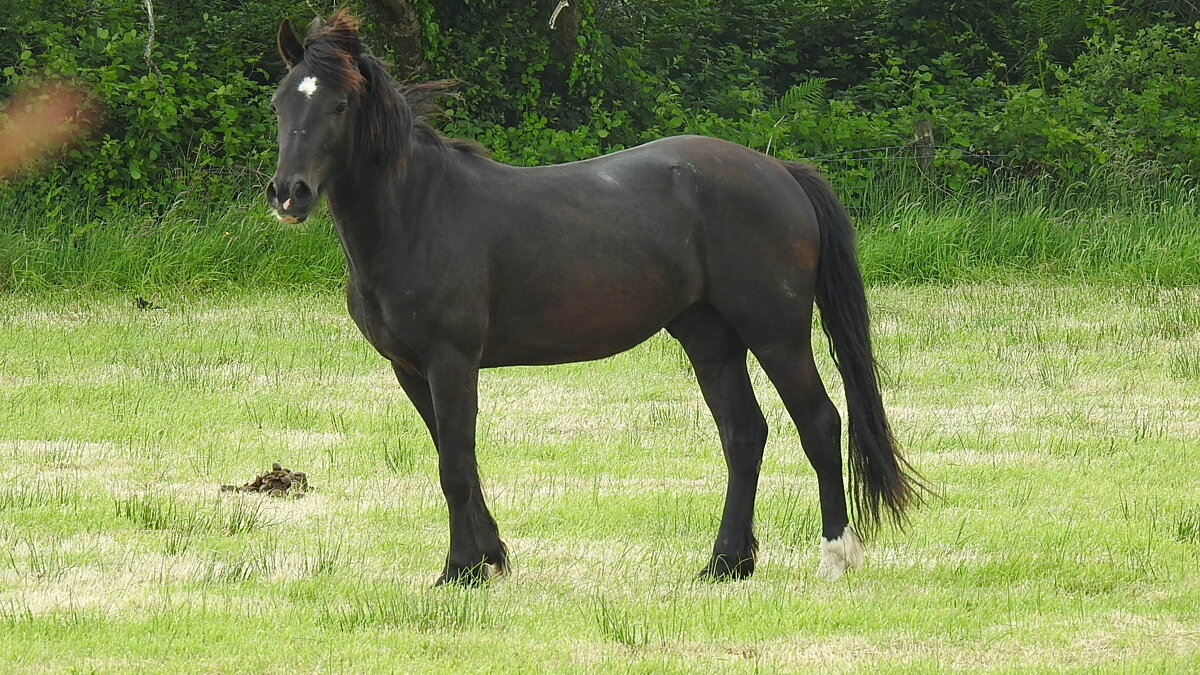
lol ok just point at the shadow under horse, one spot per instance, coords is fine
(457, 263)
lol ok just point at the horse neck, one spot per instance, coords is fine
(378, 212)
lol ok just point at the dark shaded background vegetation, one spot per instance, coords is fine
(1049, 97)
(1057, 87)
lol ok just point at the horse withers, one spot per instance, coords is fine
(457, 263)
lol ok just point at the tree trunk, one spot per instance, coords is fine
(564, 35)
(398, 24)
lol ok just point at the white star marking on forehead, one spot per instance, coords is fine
(308, 86)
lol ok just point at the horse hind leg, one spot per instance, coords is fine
(790, 366)
(718, 357)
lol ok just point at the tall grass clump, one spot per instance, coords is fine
(911, 233)
(36, 495)
(1187, 525)
(442, 609)
(190, 245)
(149, 512)
(636, 626)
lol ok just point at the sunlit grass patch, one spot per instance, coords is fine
(38, 558)
(396, 607)
(237, 515)
(1055, 423)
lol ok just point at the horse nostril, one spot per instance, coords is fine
(272, 195)
(301, 192)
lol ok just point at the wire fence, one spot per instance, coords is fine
(909, 152)
(921, 157)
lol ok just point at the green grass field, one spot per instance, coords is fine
(1059, 425)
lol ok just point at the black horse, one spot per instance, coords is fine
(457, 263)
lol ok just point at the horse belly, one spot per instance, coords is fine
(587, 314)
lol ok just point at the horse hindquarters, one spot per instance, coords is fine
(788, 251)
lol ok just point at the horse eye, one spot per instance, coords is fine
(341, 107)
(272, 107)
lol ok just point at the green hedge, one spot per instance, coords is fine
(191, 120)
(1071, 89)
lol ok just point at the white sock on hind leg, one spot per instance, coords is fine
(838, 555)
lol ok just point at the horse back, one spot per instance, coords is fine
(590, 258)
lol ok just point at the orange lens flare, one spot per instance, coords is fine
(39, 121)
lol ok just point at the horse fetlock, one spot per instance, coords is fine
(840, 554)
(497, 559)
(486, 559)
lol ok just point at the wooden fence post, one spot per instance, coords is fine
(923, 144)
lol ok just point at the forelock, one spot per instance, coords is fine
(331, 53)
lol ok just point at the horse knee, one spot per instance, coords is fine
(458, 487)
(751, 434)
(744, 445)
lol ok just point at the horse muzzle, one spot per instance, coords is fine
(291, 199)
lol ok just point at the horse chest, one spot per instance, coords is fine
(392, 338)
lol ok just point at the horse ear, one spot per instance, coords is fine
(315, 25)
(290, 49)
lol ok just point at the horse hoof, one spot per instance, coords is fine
(470, 577)
(466, 577)
(719, 569)
(838, 555)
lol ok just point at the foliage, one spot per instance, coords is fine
(190, 120)
(1068, 89)
(1041, 86)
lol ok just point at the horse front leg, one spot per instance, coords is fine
(417, 389)
(476, 551)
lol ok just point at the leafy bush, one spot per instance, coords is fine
(1065, 88)
(190, 119)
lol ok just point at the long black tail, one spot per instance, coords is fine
(878, 473)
